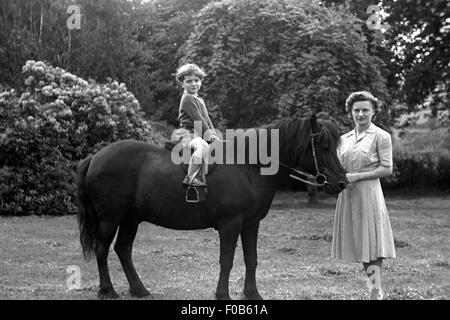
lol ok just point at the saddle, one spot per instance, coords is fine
(193, 193)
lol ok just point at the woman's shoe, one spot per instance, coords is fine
(376, 294)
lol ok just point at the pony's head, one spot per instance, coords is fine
(310, 145)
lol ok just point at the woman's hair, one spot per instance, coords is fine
(362, 96)
(189, 69)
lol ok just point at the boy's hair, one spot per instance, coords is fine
(188, 70)
(362, 96)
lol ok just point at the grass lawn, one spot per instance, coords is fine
(294, 256)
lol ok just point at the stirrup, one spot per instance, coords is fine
(194, 200)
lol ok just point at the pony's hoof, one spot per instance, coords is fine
(223, 296)
(109, 293)
(140, 293)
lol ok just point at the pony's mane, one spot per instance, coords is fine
(329, 134)
(294, 135)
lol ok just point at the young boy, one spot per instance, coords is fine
(193, 110)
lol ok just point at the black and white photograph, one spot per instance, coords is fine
(193, 151)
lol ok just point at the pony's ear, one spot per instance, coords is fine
(314, 126)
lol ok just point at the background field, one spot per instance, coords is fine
(294, 256)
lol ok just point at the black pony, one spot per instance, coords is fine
(130, 181)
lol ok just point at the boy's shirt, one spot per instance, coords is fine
(194, 109)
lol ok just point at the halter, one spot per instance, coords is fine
(319, 180)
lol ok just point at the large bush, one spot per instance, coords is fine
(59, 119)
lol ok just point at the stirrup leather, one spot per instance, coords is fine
(191, 179)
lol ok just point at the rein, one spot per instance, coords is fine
(319, 180)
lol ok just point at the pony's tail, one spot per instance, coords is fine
(87, 218)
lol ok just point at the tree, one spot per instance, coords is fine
(104, 46)
(420, 35)
(378, 34)
(164, 26)
(26, 29)
(269, 59)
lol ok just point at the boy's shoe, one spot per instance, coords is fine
(196, 182)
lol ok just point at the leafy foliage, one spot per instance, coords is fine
(268, 59)
(132, 41)
(163, 30)
(421, 33)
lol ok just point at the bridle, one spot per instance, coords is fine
(319, 180)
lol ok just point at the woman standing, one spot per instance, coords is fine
(362, 230)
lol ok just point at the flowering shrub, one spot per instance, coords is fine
(58, 120)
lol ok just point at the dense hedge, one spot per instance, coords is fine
(421, 159)
(421, 169)
(427, 169)
(59, 119)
